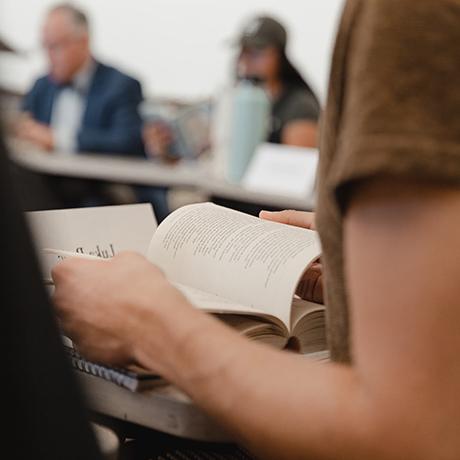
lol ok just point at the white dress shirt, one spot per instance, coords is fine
(68, 109)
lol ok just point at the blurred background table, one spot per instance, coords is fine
(187, 181)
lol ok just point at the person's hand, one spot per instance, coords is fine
(157, 139)
(311, 285)
(289, 217)
(107, 306)
(37, 133)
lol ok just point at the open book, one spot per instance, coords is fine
(240, 268)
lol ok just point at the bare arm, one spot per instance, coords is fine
(300, 133)
(30, 130)
(400, 398)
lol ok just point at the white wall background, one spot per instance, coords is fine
(177, 48)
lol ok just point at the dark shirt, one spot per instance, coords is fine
(41, 399)
(295, 104)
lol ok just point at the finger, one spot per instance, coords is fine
(290, 217)
(59, 299)
(317, 266)
(127, 254)
(311, 286)
(67, 267)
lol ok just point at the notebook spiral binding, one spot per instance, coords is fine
(122, 377)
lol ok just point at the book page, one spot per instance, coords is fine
(308, 325)
(256, 330)
(212, 303)
(302, 308)
(252, 262)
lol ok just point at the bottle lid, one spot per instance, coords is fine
(253, 79)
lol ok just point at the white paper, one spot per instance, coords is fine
(103, 231)
(282, 170)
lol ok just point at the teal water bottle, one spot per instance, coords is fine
(249, 126)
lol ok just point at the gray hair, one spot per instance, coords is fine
(78, 17)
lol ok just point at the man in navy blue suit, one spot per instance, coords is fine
(82, 105)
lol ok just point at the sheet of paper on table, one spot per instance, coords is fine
(283, 170)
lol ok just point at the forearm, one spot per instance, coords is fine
(300, 133)
(387, 406)
(281, 405)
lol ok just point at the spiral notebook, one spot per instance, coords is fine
(134, 379)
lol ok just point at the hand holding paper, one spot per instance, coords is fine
(64, 254)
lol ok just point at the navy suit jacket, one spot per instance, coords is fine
(111, 121)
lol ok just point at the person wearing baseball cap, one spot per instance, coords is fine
(295, 107)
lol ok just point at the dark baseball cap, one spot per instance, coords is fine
(261, 32)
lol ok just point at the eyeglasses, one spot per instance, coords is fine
(59, 46)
